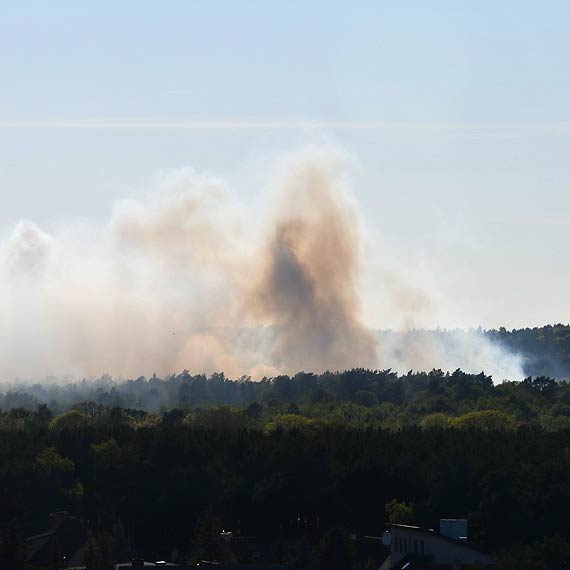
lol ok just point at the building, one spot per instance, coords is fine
(417, 548)
(63, 543)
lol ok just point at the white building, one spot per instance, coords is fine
(416, 548)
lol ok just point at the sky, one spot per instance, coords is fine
(457, 115)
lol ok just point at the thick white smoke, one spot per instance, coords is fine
(186, 279)
(449, 350)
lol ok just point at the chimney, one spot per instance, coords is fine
(454, 528)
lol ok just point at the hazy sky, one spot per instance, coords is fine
(458, 113)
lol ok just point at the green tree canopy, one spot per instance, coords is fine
(71, 420)
(288, 422)
(51, 462)
(399, 512)
(435, 420)
(485, 420)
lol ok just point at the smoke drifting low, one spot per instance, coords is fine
(188, 278)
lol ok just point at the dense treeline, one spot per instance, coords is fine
(177, 483)
(358, 398)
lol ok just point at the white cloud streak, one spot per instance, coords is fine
(119, 123)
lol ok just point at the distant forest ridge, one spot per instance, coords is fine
(544, 351)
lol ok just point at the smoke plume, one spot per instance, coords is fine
(189, 278)
(310, 267)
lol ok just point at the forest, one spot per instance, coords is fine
(312, 464)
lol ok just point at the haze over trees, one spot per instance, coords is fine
(358, 397)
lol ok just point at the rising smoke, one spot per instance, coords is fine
(310, 267)
(186, 279)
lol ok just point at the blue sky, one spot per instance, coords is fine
(464, 169)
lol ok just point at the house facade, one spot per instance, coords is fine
(415, 548)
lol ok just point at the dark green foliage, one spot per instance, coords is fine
(99, 554)
(552, 553)
(180, 485)
(335, 551)
(398, 512)
(12, 549)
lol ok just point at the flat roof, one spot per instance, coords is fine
(432, 532)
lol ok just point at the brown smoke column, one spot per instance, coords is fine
(309, 270)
